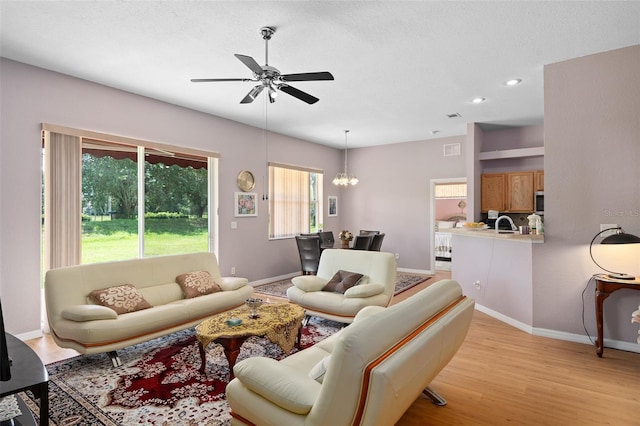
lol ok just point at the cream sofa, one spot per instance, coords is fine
(374, 368)
(376, 289)
(77, 323)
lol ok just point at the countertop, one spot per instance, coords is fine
(491, 233)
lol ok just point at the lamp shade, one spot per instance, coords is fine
(619, 237)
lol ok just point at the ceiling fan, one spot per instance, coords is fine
(270, 77)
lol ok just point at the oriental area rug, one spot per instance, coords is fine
(404, 281)
(157, 384)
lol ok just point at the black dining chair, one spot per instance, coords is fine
(309, 251)
(366, 232)
(326, 239)
(376, 244)
(362, 242)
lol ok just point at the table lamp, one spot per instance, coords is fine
(618, 237)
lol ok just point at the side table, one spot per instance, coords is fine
(27, 373)
(606, 285)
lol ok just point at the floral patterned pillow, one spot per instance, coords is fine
(197, 283)
(122, 299)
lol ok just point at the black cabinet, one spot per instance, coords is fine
(27, 374)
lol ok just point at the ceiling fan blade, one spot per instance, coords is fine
(250, 63)
(206, 80)
(307, 76)
(296, 93)
(252, 94)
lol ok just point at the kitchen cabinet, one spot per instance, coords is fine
(493, 186)
(519, 194)
(508, 192)
(538, 180)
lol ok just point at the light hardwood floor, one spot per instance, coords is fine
(502, 376)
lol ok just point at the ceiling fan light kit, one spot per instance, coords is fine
(270, 77)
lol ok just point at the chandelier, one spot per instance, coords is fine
(345, 179)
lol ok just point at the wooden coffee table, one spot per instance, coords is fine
(279, 322)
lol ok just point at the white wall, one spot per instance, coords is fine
(592, 176)
(512, 138)
(502, 269)
(393, 195)
(31, 96)
(592, 152)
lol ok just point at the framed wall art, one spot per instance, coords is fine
(333, 205)
(245, 204)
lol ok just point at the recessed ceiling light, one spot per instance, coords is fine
(478, 100)
(513, 82)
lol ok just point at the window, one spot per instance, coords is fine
(132, 198)
(450, 190)
(295, 200)
(174, 202)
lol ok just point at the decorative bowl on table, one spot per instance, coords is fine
(253, 304)
(232, 322)
(475, 226)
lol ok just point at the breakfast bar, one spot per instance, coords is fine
(497, 270)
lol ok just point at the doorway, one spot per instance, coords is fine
(448, 208)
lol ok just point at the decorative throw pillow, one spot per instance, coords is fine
(122, 299)
(197, 283)
(341, 281)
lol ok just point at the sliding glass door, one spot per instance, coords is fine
(176, 206)
(134, 201)
(109, 207)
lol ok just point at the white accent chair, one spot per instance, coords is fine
(368, 373)
(376, 287)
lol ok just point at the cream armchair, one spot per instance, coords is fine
(375, 288)
(369, 373)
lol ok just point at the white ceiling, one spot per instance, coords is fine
(399, 67)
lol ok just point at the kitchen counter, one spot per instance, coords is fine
(497, 271)
(491, 233)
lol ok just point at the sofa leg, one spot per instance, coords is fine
(434, 397)
(305, 320)
(115, 359)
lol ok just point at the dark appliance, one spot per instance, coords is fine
(539, 202)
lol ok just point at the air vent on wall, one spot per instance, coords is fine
(451, 149)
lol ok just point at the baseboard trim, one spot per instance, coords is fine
(579, 338)
(508, 320)
(29, 335)
(559, 335)
(415, 271)
(274, 279)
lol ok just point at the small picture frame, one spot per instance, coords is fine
(333, 205)
(246, 204)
